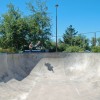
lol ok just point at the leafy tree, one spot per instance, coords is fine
(61, 45)
(81, 41)
(39, 23)
(71, 39)
(93, 42)
(98, 41)
(69, 35)
(13, 29)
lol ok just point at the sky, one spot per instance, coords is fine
(83, 15)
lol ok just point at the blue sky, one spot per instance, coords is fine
(83, 15)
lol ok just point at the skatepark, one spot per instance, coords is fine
(50, 76)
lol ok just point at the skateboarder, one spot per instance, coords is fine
(30, 46)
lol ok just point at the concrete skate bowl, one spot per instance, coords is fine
(50, 76)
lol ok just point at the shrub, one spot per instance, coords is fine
(95, 49)
(62, 47)
(74, 49)
(9, 50)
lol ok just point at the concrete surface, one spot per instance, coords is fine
(50, 76)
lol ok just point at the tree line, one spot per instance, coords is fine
(17, 31)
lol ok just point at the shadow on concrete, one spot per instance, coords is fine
(49, 67)
(17, 66)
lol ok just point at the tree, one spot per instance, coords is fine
(69, 36)
(39, 23)
(93, 42)
(13, 29)
(81, 41)
(74, 40)
(98, 41)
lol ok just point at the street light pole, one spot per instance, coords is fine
(56, 26)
